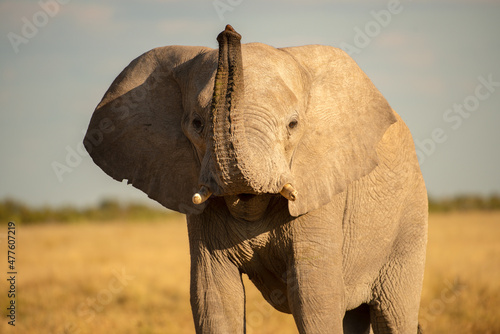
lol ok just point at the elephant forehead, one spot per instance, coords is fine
(265, 56)
(197, 79)
(270, 73)
(205, 91)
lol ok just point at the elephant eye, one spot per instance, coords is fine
(197, 124)
(293, 124)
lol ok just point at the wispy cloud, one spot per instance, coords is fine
(392, 39)
(381, 2)
(84, 13)
(12, 12)
(187, 26)
(407, 49)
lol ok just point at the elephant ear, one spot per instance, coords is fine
(346, 118)
(135, 132)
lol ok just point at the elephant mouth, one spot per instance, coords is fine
(248, 207)
(204, 193)
(245, 197)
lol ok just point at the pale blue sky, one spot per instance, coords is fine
(426, 58)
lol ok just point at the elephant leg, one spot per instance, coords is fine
(315, 284)
(396, 302)
(217, 297)
(395, 310)
(357, 321)
(316, 305)
(217, 291)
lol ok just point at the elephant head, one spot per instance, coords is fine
(248, 121)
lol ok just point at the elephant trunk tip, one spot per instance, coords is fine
(289, 192)
(202, 195)
(228, 33)
(229, 28)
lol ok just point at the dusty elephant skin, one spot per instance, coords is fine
(291, 168)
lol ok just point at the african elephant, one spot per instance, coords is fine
(291, 167)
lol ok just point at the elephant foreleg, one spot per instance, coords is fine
(315, 284)
(217, 297)
(396, 303)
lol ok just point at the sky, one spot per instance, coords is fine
(436, 62)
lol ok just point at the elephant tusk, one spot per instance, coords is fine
(289, 192)
(202, 195)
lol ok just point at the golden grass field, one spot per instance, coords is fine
(120, 277)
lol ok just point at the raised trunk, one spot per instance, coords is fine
(239, 166)
(229, 140)
(234, 166)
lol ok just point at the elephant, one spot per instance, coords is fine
(291, 168)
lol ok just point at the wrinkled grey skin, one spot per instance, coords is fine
(347, 253)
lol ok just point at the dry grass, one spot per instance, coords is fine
(67, 281)
(462, 278)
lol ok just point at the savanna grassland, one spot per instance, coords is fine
(122, 277)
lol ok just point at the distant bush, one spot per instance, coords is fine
(464, 203)
(14, 210)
